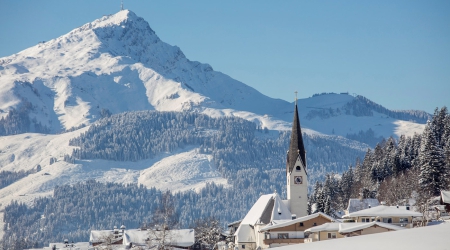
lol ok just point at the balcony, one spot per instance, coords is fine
(283, 241)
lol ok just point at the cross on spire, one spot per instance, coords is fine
(295, 97)
(121, 4)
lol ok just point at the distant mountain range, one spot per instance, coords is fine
(118, 64)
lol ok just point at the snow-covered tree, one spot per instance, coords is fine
(207, 232)
(433, 170)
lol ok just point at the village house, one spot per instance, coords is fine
(282, 232)
(396, 215)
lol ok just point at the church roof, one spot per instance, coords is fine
(267, 208)
(296, 147)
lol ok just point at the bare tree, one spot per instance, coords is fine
(165, 219)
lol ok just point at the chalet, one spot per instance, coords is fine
(284, 232)
(395, 215)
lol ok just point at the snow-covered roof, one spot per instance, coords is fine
(267, 208)
(234, 222)
(357, 204)
(352, 227)
(327, 227)
(384, 211)
(181, 237)
(284, 223)
(445, 196)
(100, 235)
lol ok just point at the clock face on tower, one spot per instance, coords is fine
(298, 179)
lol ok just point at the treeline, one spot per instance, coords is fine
(415, 167)
(17, 121)
(367, 137)
(9, 177)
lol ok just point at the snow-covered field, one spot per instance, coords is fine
(431, 237)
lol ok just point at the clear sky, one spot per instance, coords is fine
(396, 53)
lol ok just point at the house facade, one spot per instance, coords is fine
(395, 215)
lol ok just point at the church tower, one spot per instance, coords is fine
(296, 172)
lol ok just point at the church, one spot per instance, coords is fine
(273, 222)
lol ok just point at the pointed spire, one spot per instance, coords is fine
(296, 148)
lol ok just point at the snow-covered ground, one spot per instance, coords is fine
(431, 237)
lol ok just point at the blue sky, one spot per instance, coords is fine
(396, 53)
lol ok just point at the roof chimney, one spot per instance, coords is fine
(397, 206)
(294, 216)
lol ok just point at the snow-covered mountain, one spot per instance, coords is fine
(116, 64)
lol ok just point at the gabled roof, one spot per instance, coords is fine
(352, 227)
(360, 204)
(285, 223)
(445, 195)
(296, 148)
(344, 228)
(383, 211)
(267, 208)
(327, 227)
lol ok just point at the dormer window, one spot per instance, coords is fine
(298, 168)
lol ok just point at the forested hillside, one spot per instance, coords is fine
(415, 167)
(235, 144)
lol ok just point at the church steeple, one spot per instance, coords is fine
(296, 175)
(296, 147)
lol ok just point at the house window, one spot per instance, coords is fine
(298, 168)
(331, 235)
(365, 219)
(314, 224)
(403, 220)
(387, 220)
(301, 224)
(243, 246)
(283, 236)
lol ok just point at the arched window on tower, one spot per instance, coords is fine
(298, 168)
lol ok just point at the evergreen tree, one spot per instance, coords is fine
(433, 171)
